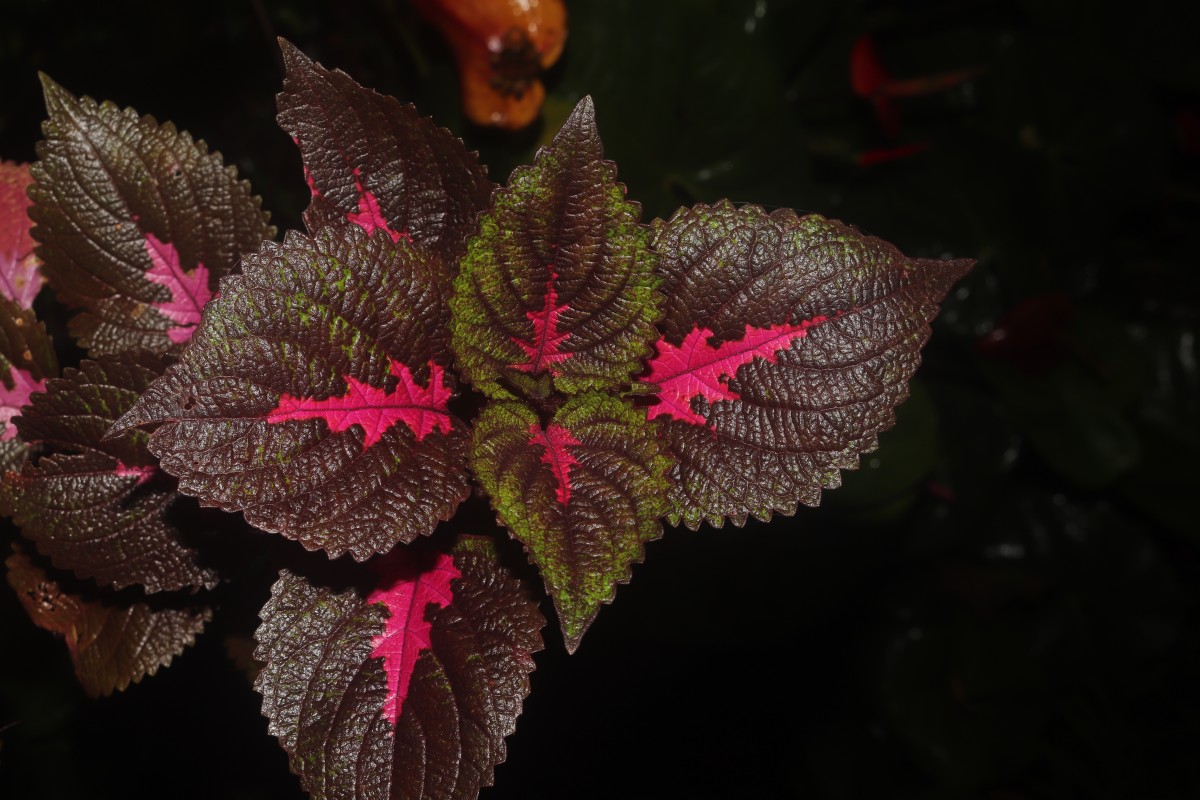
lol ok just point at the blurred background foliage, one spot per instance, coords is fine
(1000, 604)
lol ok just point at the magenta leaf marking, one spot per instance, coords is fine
(12, 399)
(696, 369)
(189, 290)
(555, 439)
(142, 474)
(422, 409)
(369, 216)
(544, 349)
(407, 591)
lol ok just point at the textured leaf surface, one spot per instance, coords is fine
(331, 692)
(136, 222)
(376, 162)
(557, 291)
(20, 279)
(113, 642)
(313, 397)
(583, 493)
(98, 507)
(787, 343)
(26, 360)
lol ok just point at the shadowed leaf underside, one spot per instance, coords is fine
(136, 222)
(98, 507)
(330, 699)
(113, 642)
(313, 397)
(787, 343)
(583, 493)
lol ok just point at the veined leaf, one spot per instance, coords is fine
(557, 291)
(374, 161)
(98, 506)
(787, 343)
(314, 396)
(405, 688)
(136, 222)
(26, 360)
(20, 280)
(583, 493)
(113, 642)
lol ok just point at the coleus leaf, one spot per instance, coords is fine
(374, 161)
(26, 360)
(98, 506)
(405, 688)
(557, 291)
(787, 343)
(583, 493)
(136, 222)
(314, 396)
(113, 641)
(20, 279)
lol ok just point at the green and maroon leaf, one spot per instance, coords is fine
(787, 343)
(403, 689)
(99, 506)
(583, 493)
(26, 360)
(314, 396)
(20, 280)
(113, 641)
(136, 222)
(376, 162)
(557, 291)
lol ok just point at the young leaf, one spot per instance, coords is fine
(583, 494)
(26, 360)
(314, 397)
(113, 642)
(407, 689)
(136, 222)
(557, 291)
(377, 163)
(20, 279)
(95, 505)
(787, 343)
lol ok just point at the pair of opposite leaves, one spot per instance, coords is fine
(314, 394)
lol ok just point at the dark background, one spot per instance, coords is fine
(1000, 604)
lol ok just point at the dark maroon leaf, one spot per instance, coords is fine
(314, 395)
(787, 343)
(26, 361)
(20, 279)
(406, 689)
(583, 493)
(136, 222)
(376, 162)
(558, 289)
(113, 642)
(94, 505)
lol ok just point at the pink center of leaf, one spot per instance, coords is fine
(142, 474)
(189, 290)
(697, 369)
(408, 587)
(11, 400)
(543, 350)
(555, 439)
(421, 408)
(369, 216)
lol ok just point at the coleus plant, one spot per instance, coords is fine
(428, 336)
